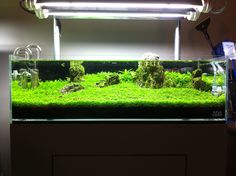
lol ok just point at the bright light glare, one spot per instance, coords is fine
(96, 15)
(84, 10)
(119, 6)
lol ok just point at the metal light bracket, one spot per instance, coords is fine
(118, 9)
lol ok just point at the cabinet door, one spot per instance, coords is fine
(119, 165)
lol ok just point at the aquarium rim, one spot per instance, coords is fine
(119, 120)
(114, 58)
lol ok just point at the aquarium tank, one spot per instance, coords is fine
(146, 89)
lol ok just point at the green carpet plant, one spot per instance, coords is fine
(177, 92)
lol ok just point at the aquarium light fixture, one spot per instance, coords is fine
(108, 15)
(116, 6)
(99, 10)
(117, 9)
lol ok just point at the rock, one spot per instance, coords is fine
(34, 78)
(76, 71)
(15, 75)
(199, 84)
(101, 84)
(150, 56)
(150, 72)
(71, 88)
(27, 78)
(110, 79)
(197, 73)
(186, 69)
(24, 79)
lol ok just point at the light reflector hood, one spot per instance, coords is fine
(117, 9)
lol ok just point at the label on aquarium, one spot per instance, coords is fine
(216, 114)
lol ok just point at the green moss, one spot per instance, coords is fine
(76, 71)
(178, 80)
(110, 79)
(197, 73)
(150, 74)
(125, 94)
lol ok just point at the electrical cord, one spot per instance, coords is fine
(219, 10)
(21, 3)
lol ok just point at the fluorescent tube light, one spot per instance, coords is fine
(106, 15)
(119, 6)
(116, 10)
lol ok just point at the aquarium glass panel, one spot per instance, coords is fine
(150, 89)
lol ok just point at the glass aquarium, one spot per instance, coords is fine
(148, 89)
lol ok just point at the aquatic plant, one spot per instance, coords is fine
(178, 80)
(150, 73)
(110, 79)
(124, 94)
(127, 75)
(77, 71)
(210, 79)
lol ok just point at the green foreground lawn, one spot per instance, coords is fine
(125, 94)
